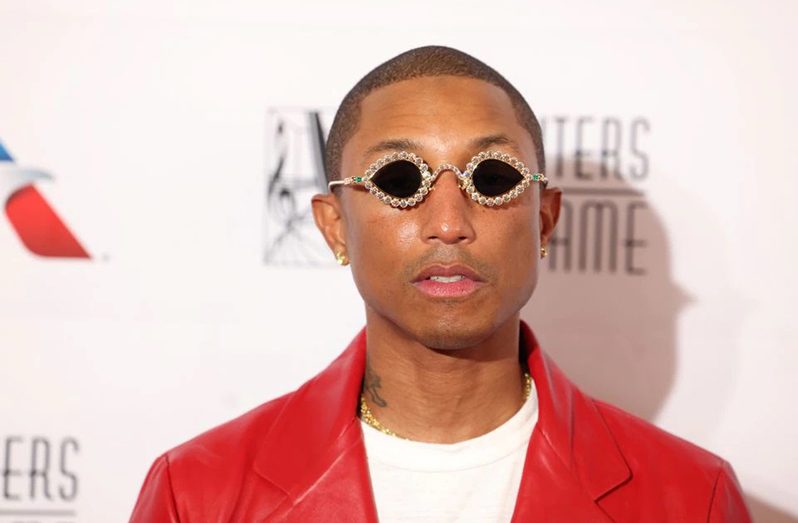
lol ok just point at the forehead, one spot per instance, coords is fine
(444, 116)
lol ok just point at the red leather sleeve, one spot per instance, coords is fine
(156, 503)
(728, 505)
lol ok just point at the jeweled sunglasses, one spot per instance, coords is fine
(403, 179)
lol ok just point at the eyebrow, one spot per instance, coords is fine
(406, 144)
(393, 145)
(485, 142)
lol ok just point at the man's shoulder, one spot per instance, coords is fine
(648, 447)
(665, 466)
(231, 445)
(187, 482)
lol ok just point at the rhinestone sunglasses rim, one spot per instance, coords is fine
(427, 178)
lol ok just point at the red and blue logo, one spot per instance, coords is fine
(38, 226)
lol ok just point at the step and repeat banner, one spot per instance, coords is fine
(160, 271)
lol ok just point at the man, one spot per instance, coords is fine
(444, 407)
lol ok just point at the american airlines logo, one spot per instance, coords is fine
(38, 226)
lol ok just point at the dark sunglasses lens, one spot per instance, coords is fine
(400, 179)
(494, 177)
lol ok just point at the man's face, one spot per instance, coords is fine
(449, 119)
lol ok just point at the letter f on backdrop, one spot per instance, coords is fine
(36, 223)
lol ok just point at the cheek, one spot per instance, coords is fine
(405, 233)
(516, 247)
(378, 244)
(380, 251)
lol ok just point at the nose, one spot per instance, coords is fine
(447, 213)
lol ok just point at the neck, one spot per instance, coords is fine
(441, 396)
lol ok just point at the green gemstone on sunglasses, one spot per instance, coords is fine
(403, 179)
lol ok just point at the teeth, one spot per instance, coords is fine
(447, 279)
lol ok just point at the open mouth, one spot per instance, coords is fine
(448, 282)
(447, 279)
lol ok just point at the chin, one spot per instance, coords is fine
(451, 335)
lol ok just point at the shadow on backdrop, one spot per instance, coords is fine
(607, 307)
(763, 512)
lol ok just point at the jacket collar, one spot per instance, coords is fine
(318, 424)
(316, 421)
(570, 423)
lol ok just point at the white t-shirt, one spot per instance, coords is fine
(472, 480)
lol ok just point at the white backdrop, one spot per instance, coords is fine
(178, 137)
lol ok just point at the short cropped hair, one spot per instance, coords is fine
(417, 63)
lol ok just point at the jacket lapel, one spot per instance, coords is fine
(572, 459)
(315, 452)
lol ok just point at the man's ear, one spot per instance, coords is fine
(549, 212)
(327, 214)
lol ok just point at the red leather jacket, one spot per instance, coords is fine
(300, 458)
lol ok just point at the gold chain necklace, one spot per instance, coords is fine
(370, 420)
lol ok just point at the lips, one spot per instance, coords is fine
(454, 281)
(452, 270)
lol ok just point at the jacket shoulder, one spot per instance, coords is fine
(231, 443)
(643, 443)
(697, 484)
(187, 482)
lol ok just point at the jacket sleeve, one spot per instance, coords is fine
(728, 505)
(156, 503)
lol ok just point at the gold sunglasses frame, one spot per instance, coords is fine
(464, 179)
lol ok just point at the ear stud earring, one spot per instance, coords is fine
(341, 258)
(543, 251)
